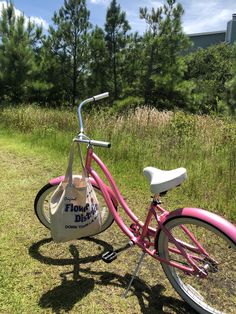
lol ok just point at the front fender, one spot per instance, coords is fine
(217, 221)
(58, 180)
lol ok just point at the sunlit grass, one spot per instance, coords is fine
(39, 276)
(205, 145)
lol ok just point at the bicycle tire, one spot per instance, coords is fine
(216, 293)
(41, 207)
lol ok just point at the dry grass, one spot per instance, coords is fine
(205, 145)
(39, 276)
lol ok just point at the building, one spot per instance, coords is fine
(204, 40)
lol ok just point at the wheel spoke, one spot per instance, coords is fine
(216, 292)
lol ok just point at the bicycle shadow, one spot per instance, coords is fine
(68, 293)
(63, 298)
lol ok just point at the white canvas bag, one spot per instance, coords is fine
(74, 208)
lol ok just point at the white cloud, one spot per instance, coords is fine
(207, 16)
(137, 25)
(35, 19)
(156, 4)
(200, 15)
(39, 21)
(204, 24)
(101, 2)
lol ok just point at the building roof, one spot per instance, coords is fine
(207, 33)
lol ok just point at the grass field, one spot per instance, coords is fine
(39, 276)
(205, 145)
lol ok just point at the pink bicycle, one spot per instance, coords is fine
(196, 248)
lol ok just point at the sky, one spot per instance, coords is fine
(200, 15)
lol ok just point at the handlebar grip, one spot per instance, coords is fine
(93, 142)
(100, 144)
(101, 96)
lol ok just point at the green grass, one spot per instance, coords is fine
(39, 276)
(205, 145)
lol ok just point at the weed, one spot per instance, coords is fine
(39, 276)
(205, 145)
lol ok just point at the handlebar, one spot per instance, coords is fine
(86, 101)
(93, 142)
(101, 96)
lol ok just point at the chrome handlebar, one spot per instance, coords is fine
(83, 138)
(86, 101)
(92, 142)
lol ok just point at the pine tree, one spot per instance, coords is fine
(209, 69)
(69, 43)
(116, 27)
(165, 42)
(231, 85)
(17, 57)
(133, 66)
(97, 80)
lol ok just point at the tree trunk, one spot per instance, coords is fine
(148, 87)
(114, 71)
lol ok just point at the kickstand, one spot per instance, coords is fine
(124, 295)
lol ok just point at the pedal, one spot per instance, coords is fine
(109, 256)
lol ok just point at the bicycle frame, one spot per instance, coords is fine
(190, 242)
(143, 239)
(141, 233)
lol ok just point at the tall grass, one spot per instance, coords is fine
(205, 145)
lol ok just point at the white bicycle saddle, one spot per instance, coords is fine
(162, 180)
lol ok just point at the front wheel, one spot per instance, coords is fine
(216, 293)
(42, 201)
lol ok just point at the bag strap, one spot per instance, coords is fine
(68, 175)
(84, 171)
(69, 170)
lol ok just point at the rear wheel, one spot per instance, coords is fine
(42, 202)
(216, 293)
